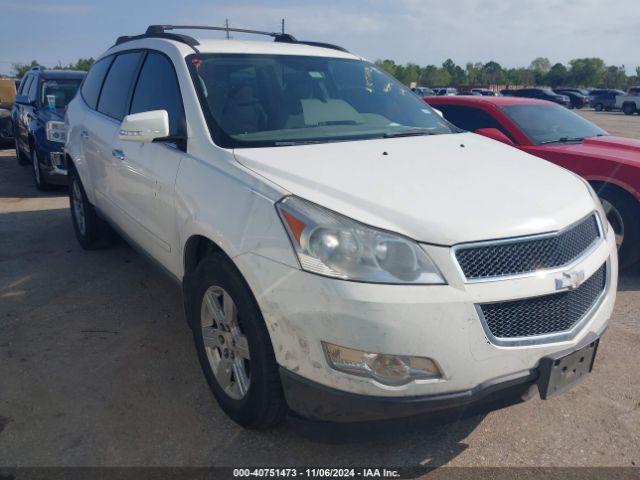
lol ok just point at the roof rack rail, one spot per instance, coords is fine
(161, 31)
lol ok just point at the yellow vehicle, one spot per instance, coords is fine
(7, 92)
(7, 97)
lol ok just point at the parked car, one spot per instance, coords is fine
(445, 91)
(423, 91)
(38, 125)
(576, 99)
(468, 92)
(605, 100)
(539, 93)
(629, 104)
(610, 164)
(343, 250)
(7, 97)
(486, 92)
(582, 91)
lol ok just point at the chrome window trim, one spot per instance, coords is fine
(561, 336)
(486, 243)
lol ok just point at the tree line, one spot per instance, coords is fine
(84, 64)
(580, 72)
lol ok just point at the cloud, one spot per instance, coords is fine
(48, 8)
(430, 31)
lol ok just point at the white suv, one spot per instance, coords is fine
(343, 250)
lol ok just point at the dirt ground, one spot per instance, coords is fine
(97, 368)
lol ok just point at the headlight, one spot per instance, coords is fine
(56, 132)
(330, 244)
(601, 213)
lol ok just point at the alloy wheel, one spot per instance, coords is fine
(226, 345)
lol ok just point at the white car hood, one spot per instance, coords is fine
(443, 189)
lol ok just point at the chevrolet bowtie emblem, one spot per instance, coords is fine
(570, 280)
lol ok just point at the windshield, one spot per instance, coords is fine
(274, 100)
(551, 123)
(62, 89)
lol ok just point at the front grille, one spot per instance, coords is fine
(528, 255)
(544, 315)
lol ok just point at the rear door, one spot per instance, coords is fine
(146, 174)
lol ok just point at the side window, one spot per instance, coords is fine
(33, 89)
(157, 89)
(114, 97)
(93, 81)
(24, 86)
(470, 119)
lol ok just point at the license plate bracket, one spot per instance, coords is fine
(562, 371)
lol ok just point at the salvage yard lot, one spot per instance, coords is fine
(97, 367)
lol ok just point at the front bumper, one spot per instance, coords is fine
(53, 165)
(440, 322)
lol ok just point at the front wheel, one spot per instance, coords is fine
(38, 177)
(21, 157)
(233, 345)
(598, 107)
(628, 109)
(623, 214)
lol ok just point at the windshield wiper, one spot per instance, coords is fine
(288, 143)
(410, 132)
(563, 140)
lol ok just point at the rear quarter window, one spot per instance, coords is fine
(93, 82)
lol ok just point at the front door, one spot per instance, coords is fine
(146, 172)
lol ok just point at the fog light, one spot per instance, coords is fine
(57, 160)
(384, 368)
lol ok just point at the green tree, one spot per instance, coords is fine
(19, 69)
(616, 77)
(433, 76)
(388, 66)
(82, 64)
(494, 74)
(520, 77)
(456, 73)
(587, 72)
(540, 64)
(557, 76)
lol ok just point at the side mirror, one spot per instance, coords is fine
(23, 100)
(495, 134)
(145, 127)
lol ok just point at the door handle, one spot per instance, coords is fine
(119, 154)
(84, 134)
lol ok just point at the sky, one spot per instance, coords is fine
(511, 32)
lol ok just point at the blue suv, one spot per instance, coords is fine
(38, 122)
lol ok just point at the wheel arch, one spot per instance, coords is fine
(612, 183)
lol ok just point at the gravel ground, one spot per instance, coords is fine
(97, 368)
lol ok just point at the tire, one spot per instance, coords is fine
(598, 107)
(21, 157)
(91, 231)
(628, 109)
(239, 343)
(38, 178)
(623, 213)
